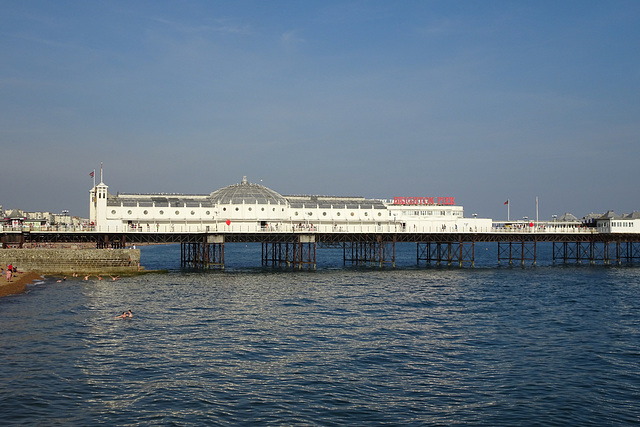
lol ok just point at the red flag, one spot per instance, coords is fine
(507, 202)
(92, 173)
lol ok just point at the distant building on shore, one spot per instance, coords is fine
(20, 218)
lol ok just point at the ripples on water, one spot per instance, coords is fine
(491, 346)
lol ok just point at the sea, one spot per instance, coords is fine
(418, 345)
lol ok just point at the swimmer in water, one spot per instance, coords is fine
(124, 315)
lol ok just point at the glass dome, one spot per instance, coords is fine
(248, 193)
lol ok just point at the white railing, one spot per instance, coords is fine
(51, 228)
(285, 227)
(545, 230)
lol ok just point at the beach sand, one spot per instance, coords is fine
(18, 283)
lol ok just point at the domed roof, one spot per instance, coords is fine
(248, 193)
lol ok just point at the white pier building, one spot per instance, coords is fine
(248, 208)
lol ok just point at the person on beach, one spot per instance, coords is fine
(9, 274)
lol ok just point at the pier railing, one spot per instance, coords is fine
(223, 228)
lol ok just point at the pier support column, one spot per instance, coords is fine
(592, 250)
(371, 252)
(277, 254)
(207, 254)
(298, 253)
(459, 252)
(305, 252)
(518, 250)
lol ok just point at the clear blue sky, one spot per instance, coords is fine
(481, 100)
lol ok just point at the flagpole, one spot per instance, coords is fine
(93, 219)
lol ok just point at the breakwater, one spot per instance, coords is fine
(69, 261)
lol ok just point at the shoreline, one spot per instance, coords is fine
(18, 283)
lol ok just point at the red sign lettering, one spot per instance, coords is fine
(439, 201)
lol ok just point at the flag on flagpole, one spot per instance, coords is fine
(93, 172)
(507, 202)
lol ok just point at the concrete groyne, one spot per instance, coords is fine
(69, 261)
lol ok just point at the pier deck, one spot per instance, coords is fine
(297, 248)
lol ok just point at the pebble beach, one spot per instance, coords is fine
(18, 283)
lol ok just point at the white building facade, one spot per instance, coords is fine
(612, 223)
(248, 207)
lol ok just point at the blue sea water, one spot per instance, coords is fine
(509, 345)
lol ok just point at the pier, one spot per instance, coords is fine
(296, 247)
(292, 229)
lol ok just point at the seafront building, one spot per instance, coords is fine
(612, 223)
(250, 207)
(17, 218)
